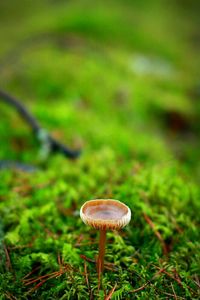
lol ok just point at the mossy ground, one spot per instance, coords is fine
(118, 79)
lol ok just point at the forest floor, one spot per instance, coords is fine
(121, 82)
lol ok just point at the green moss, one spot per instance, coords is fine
(108, 78)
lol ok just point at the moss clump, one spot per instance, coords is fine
(123, 94)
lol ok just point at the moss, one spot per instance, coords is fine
(113, 91)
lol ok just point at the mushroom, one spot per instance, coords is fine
(104, 214)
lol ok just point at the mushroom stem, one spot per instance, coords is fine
(100, 261)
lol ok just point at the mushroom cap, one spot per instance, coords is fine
(105, 214)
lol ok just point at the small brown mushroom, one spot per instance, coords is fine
(103, 215)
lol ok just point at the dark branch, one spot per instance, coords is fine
(21, 110)
(45, 138)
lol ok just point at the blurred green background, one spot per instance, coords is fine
(127, 70)
(121, 81)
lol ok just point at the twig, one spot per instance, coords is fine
(45, 138)
(170, 275)
(148, 282)
(30, 273)
(79, 240)
(33, 280)
(87, 258)
(8, 261)
(173, 291)
(169, 294)
(177, 279)
(60, 262)
(42, 279)
(10, 296)
(108, 297)
(157, 234)
(86, 274)
(108, 266)
(87, 280)
(161, 270)
(40, 284)
(197, 281)
(87, 244)
(140, 288)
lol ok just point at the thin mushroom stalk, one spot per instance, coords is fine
(102, 246)
(104, 214)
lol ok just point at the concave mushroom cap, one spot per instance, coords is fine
(105, 214)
